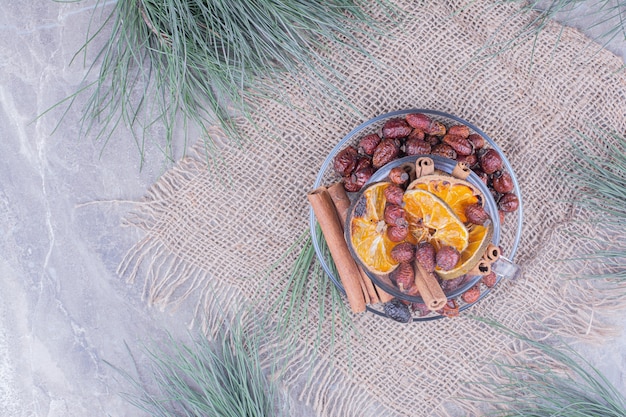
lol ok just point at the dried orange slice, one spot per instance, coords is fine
(456, 193)
(368, 231)
(430, 218)
(477, 242)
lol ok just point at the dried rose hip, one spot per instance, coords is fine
(452, 284)
(395, 216)
(354, 182)
(404, 252)
(445, 150)
(459, 130)
(472, 295)
(425, 255)
(397, 310)
(418, 121)
(502, 182)
(451, 309)
(447, 257)
(404, 277)
(345, 161)
(470, 160)
(490, 161)
(362, 163)
(386, 151)
(420, 308)
(396, 128)
(476, 214)
(508, 203)
(477, 141)
(433, 140)
(416, 147)
(461, 145)
(417, 134)
(368, 144)
(398, 176)
(397, 233)
(490, 279)
(436, 129)
(394, 194)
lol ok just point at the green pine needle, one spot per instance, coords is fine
(223, 377)
(598, 182)
(539, 13)
(557, 382)
(173, 63)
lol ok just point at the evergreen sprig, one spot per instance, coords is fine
(173, 63)
(557, 381)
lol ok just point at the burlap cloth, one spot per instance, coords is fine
(210, 236)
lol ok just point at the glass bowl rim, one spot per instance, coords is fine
(357, 130)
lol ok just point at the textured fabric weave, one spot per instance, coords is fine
(205, 231)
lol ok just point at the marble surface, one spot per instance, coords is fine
(64, 311)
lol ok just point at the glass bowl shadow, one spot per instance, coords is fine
(509, 237)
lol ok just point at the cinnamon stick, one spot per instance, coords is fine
(483, 267)
(342, 204)
(332, 230)
(461, 171)
(429, 288)
(492, 253)
(424, 166)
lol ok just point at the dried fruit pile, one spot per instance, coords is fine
(418, 134)
(437, 220)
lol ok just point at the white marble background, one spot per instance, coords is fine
(63, 309)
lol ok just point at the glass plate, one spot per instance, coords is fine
(508, 234)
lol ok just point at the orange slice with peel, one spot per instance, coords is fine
(456, 193)
(430, 218)
(477, 242)
(368, 231)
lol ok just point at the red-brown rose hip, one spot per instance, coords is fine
(417, 134)
(355, 181)
(404, 252)
(395, 216)
(396, 128)
(416, 147)
(398, 176)
(386, 151)
(502, 182)
(345, 161)
(394, 194)
(459, 130)
(490, 161)
(445, 150)
(490, 279)
(436, 129)
(508, 203)
(461, 145)
(368, 144)
(425, 255)
(419, 121)
(476, 140)
(447, 257)
(472, 295)
(481, 174)
(470, 160)
(476, 214)
(404, 277)
(397, 233)
(433, 140)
